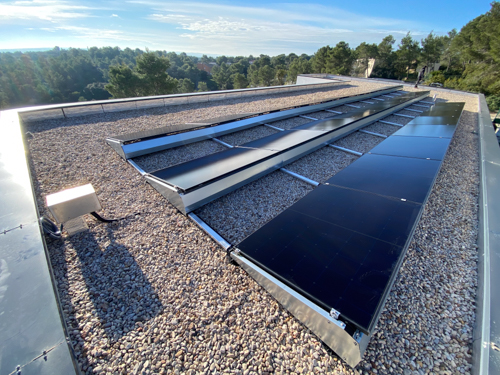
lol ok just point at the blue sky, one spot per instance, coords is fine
(225, 27)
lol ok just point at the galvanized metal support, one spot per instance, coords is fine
(352, 106)
(390, 123)
(300, 177)
(308, 117)
(134, 164)
(364, 101)
(222, 143)
(274, 127)
(332, 111)
(414, 110)
(372, 133)
(357, 153)
(208, 229)
(380, 100)
(408, 116)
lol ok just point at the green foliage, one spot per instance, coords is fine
(340, 59)
(299, 66)
(222, 75)
(406, 56)
(435, 77)
(239, 81)
(185, 85)
(493, 102)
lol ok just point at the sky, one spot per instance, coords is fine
(226, 27)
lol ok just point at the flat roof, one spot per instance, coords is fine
(154, 291)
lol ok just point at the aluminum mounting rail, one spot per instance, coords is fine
(146, 142)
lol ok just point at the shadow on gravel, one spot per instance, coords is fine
(119, 290)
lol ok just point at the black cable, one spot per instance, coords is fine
(50, 228)
(100, 218)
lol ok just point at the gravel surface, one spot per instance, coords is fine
(177, 155)
(382, 128)
(248, 135)
(237, 215)
(397, 119)
(322, 164)
(360, 142)
(154, 294)
(290, 123)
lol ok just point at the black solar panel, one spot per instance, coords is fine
(413, 147)
(399, 177)
(418, 130)
(326, 246)
(199, 171)
(435, 120)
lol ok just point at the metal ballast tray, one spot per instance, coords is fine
(145, 142)
(332, 257)
(192, 184)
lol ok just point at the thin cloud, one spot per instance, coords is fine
(42, 10)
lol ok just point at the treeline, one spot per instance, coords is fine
(468, 60)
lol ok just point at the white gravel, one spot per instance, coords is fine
(154, 294)
(238, 214)
(322, 164)
(381, 128)
(360, 142)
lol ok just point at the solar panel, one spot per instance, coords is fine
(413, 147)
(418, 130)
(435, 120)
(326, 246)
(398, 177)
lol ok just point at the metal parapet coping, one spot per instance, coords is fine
(486, 339)
(53, 111)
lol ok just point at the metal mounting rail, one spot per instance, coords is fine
(390, 123)
(222, 143)
(372, 133)
(308, 118)
(408, 116)
(300, 177)
(357, 153)
(274, 127)
(332, 111)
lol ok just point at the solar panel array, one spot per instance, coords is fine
(342, 244)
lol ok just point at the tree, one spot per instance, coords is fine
(384, 67)
(239, 81)
(363, 53)
(280, 76)
(340, 59)
(320, 59)
(185, 85)
(407, 55)
(432, 49)
(222, 75)
(266, 75)
(298, 66)
(152, 70)
(123, 82)
(202, 86)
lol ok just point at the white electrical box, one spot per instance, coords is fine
(72, 203)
